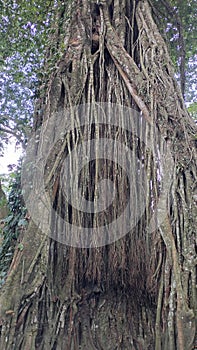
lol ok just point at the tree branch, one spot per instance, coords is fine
(11, 132)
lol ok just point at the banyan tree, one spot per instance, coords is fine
(109, 264)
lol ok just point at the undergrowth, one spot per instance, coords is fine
(14, 224)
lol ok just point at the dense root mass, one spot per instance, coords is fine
(138, 292)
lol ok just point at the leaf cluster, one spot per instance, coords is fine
(24, 27)
(14, 224)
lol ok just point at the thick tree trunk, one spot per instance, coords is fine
(139, 291)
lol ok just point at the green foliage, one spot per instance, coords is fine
(177, 22)
(14, 224)
(186, 12)
(192, 109)
(29, 28)
(24, 27)
(3, 202)
(20, 246)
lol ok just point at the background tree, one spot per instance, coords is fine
(24, 35)
(138, 292)
(3, 204)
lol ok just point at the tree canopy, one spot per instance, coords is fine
(26, 35)
(24, 38)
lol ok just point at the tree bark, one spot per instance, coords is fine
(139, 291)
